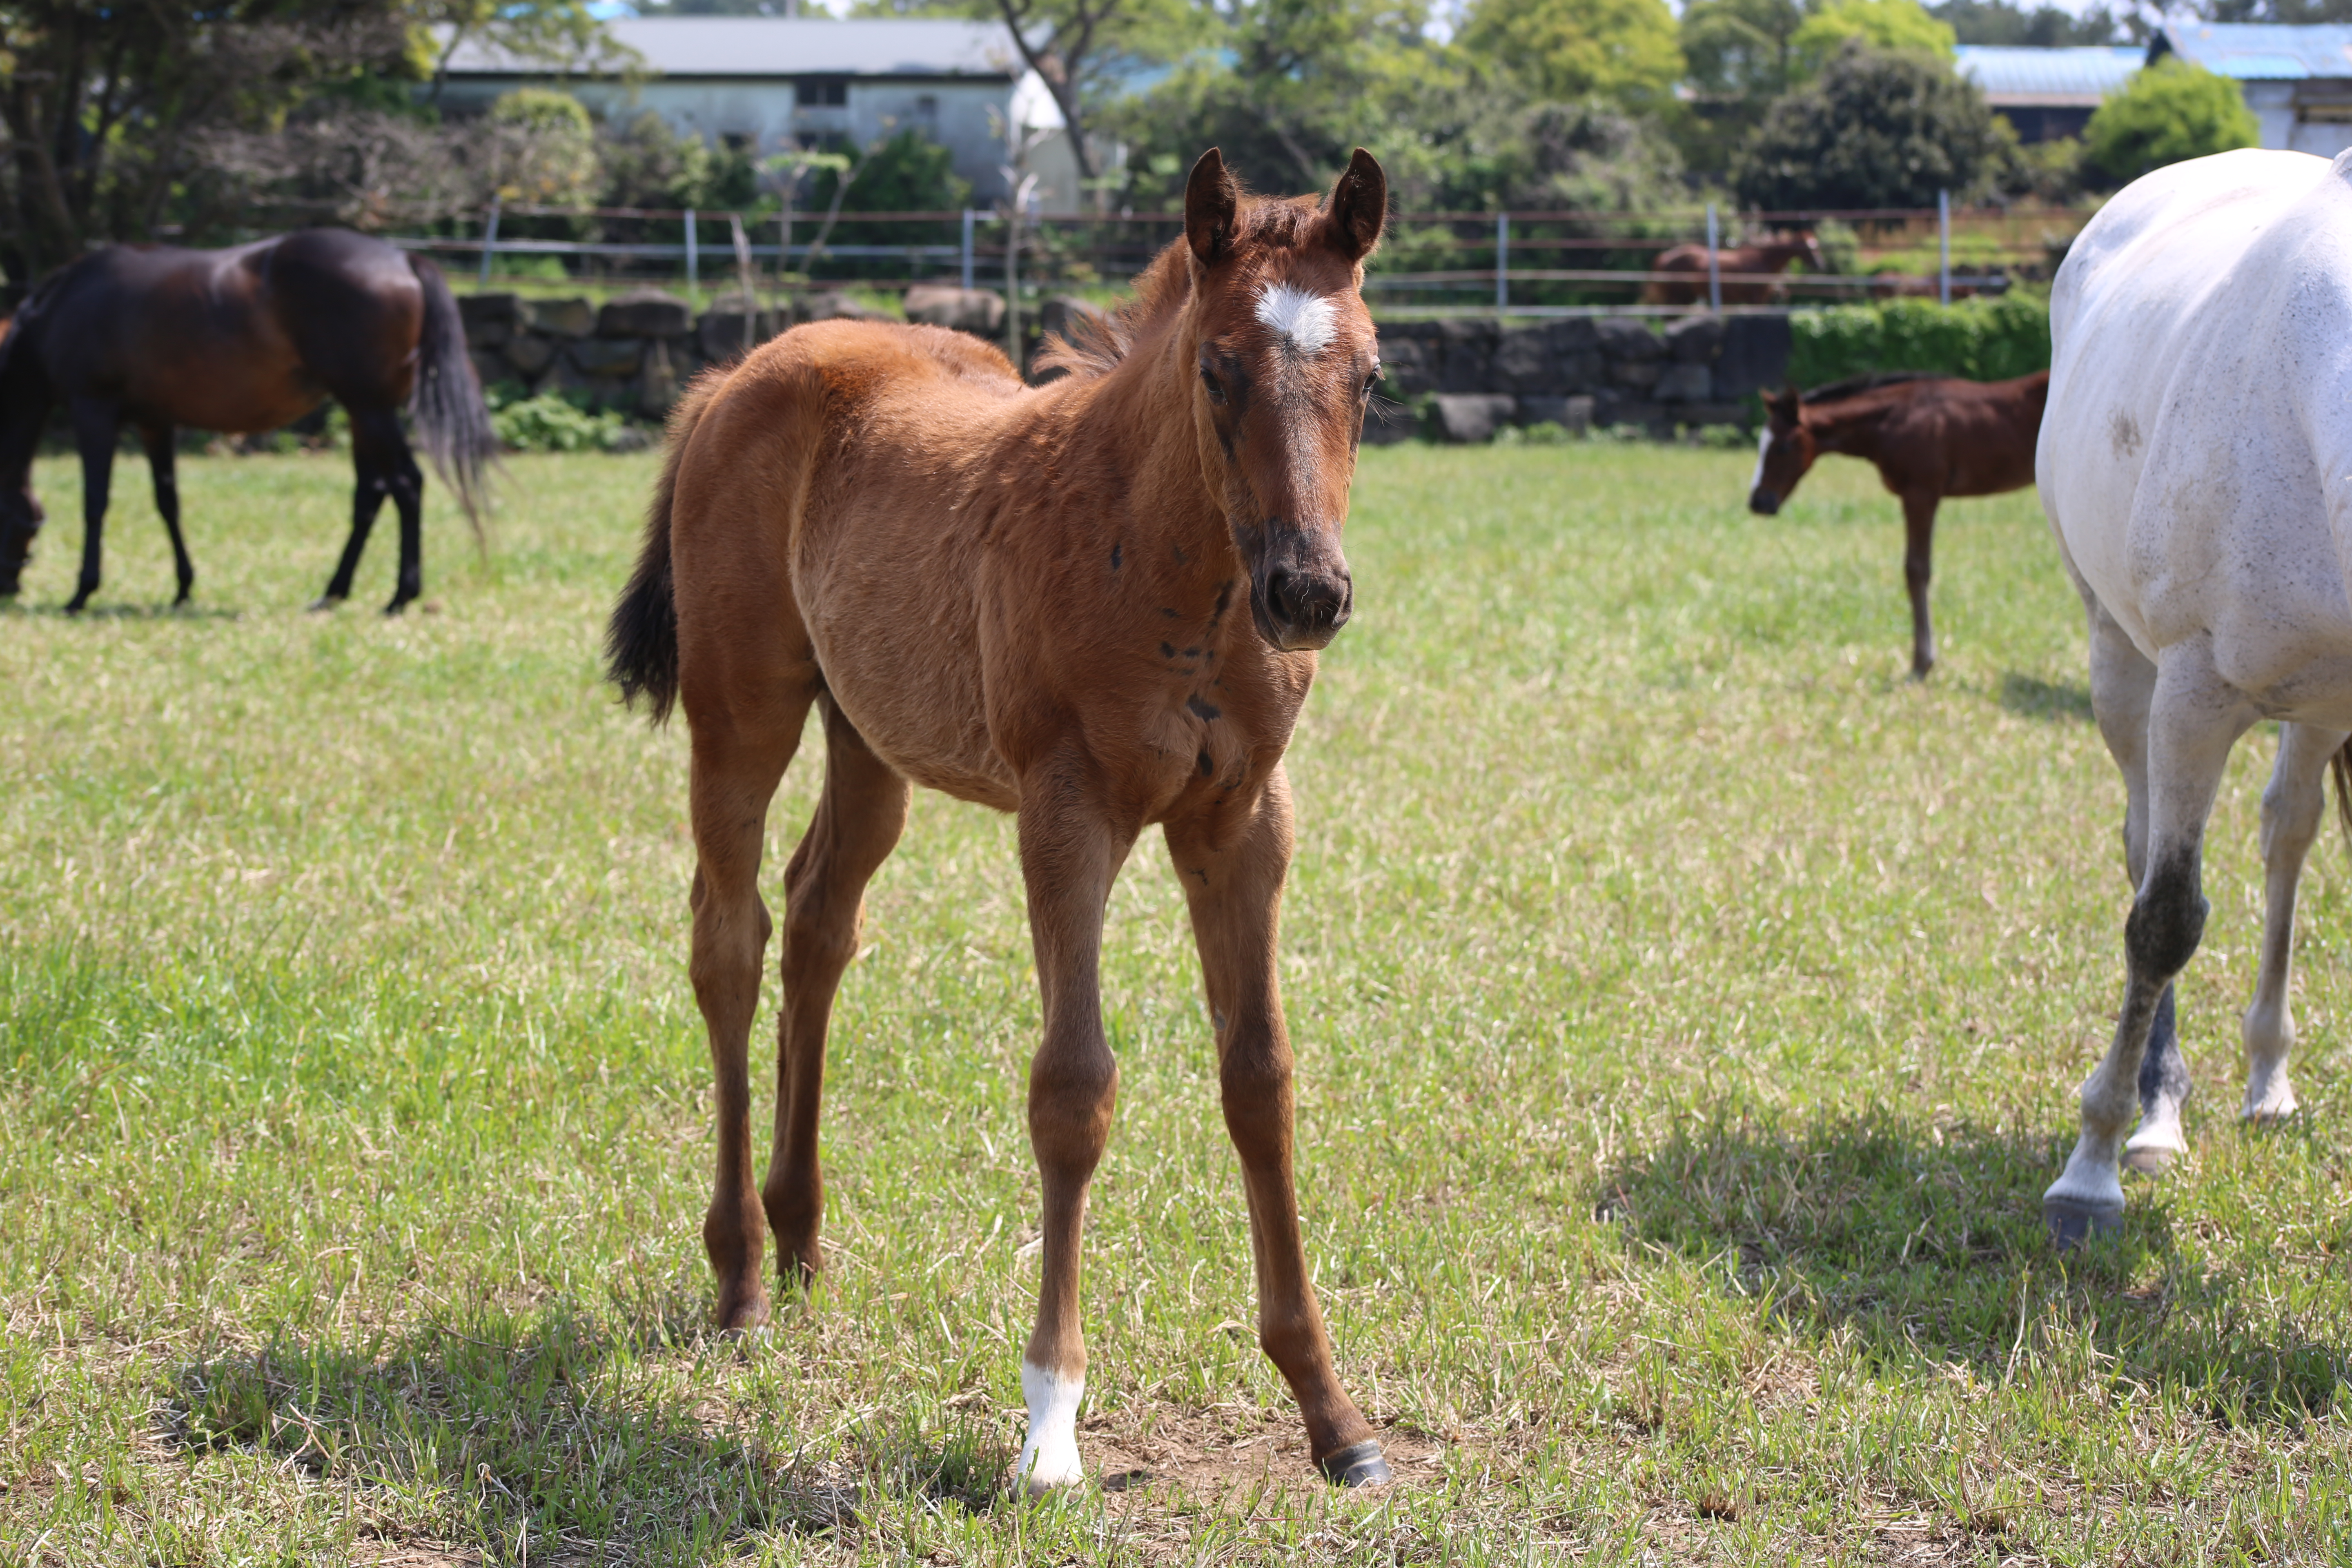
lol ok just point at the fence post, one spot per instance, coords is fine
(1714, 263)
(967, 247)
(489, 241)
(1942, 247)
(693, 258)
(1502, 264)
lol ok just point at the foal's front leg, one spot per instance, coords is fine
(98, 425)
(1069, 857)
(1918, 569)
(1232, 867)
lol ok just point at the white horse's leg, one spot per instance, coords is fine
(2292, 809)
(2191, 720)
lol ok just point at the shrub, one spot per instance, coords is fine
(1879, 23)
(548, 424)
(1878, 128)
(2172, 111)
(538, 145)
(1984, 339)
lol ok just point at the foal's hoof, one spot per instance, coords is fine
(1358, 1465)
(2072, 1223)
(2152, 1160)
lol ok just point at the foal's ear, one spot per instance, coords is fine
(1784, 407)
(1212, 200)
(1358, 207)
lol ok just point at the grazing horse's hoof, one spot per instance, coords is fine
(1357, 1466)
(2072, 1223)
(2152, 1160)
(323, 603)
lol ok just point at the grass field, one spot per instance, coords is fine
(1689, 1011)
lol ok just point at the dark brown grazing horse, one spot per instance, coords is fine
(1745, 262)
(240, 341)
(1094, 604)
(1931, 437)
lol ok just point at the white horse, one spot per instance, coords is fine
(2196, 462)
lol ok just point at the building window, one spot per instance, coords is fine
(821, 91)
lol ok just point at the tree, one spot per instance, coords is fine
(1877, 129)
(2045, 26)
(1879, 23)
(2173, 110)
(1621, 50)
(1079, 49)
(538, 147)
(563, 34)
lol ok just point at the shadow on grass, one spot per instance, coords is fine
(2059, 703)
(519, 1430)
(1927, 1242)
(95, 613)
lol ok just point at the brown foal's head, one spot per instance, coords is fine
(1286, 361)
(1783, 455)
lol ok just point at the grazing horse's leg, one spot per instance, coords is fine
(2291, 807)
(746, 694)
(1069, 857)
(372, 481)
(1918, 549)
(857, 823)
(158, 439)
(98, 425)
(2189, 722)
(1233, 880)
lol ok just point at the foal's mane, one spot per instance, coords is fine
(1095, 346)
(1855, 385)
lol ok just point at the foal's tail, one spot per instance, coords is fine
(641, 639)
(446, 408)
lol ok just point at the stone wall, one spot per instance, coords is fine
(1459, 379)
(1463, 378)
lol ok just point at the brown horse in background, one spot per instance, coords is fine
(1745, 262)
(1094, 604)
(242, 341)
(1931, 437)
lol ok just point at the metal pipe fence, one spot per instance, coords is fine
(1514, 262)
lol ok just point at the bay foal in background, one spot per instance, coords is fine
(1094, 604)
(1930, 436)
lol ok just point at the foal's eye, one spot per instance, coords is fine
(1373, 382)
(1216, 388)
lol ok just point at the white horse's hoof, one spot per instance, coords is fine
(2150, 1160)
(2072, 1223)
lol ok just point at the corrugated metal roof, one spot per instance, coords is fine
(790, 46)
(2021, 74)
(2259, 51)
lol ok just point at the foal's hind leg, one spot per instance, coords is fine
(746, 712)
(857, 823)
(2291, 807)
(1233, 871)
(1918, 566)
(98, 425)
(158, 441)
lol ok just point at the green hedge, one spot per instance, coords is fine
(1983, 339)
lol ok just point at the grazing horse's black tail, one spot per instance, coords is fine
(451, 421)
(641, 639)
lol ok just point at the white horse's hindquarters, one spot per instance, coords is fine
(2201, 387)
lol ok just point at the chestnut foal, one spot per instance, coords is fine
(1094, 604)
(1930, 436)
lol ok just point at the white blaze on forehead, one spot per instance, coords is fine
(1306, 321)
(1763, 446)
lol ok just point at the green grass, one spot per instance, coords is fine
(1689, 1010)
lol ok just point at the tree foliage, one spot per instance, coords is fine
(1877, 24)
(1624, 51)
(2173, 110)
(1877, 129)
(2045, 26)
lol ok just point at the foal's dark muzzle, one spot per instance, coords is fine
(1763, 500)
(1300, 592)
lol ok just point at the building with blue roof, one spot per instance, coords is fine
(2047, 93)
(2296, 80)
